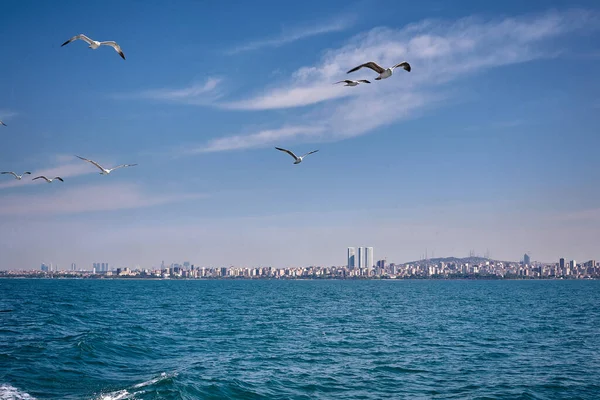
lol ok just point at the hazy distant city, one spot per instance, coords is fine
(360, 265)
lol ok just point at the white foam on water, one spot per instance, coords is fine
(159, 378)
(124, 394)
(118, 395)
(8, 392)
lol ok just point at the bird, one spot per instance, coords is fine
(2, 123)
(105, 171)
(48, 180)
(18, 177)
(383, 72)
(298, 159)
(94, 44)
(352, 83)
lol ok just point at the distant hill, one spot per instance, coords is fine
(454, 260)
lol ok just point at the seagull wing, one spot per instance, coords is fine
(26, 173)
(12, 173)
(404, 65)
(364, 81)
(370, 64)
(310, 152)
(59, 178)
(41, 176)
(91, 162)
(115, 46)
(80, 36)
(346, 81)
(287, 151)
(121, 166)
(2, 123)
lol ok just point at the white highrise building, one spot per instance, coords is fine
(361, 257)
(351, 257)
(369, 263)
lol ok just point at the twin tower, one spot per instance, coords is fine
(364, 258)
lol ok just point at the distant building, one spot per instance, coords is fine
(73, 267)
(526, 259)
(351, 258)
(369, 260)
(361, 258)
(561, 263)
(572, 264)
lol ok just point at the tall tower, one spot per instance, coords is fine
(361, 257)
(526, 259)
(369, 257)
(351, 258)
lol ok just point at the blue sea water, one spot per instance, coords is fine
(136, 339)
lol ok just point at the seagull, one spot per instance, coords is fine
(2, 123)
(352, 83)
(95, 44)
(105, 171)
(48, 180)
(383, 72)
(18, 177)
(298, 159)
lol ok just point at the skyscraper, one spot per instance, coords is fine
(526, 259)
(351, 257)
(361, 257)
(369, 263)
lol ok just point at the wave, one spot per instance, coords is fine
(133, 390)
(8, 392)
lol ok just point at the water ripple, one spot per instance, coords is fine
(88, 339)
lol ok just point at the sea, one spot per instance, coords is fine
(299, 339)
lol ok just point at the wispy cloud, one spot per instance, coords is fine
(6, 114)
(258, 139)
(65, 170)
(88, 198)
(440, 53)
(197, 93)
(294, 34)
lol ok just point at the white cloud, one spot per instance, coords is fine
(100, 197)
(439, 51)
(6, 114)
(293, 96)
(63, 170)
(259, 139)
(336, 25)
(197, 93)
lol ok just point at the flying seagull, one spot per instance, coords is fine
(2, 123)
(95, 44)
(17, 176)
(352, 83)
(383, 72)
(48, 180)
(298, 159)
(105, 171)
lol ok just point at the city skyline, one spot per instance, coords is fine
(486, 144)
(351, 263)
(469, 268)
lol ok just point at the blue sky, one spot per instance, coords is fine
(489, 143)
